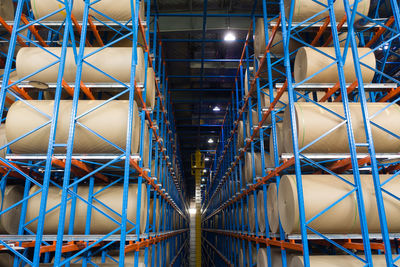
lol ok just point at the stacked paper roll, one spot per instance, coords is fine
(248, 167)
(304, 9)
(99, 223)
(321, 191)
(314, 121)
(114, 61)
(310, 61)
(3, 140)
(157, 214)
(21, 119)
(279, 145)
(337, 261)
(272, 208)
(240, 135)
(146, 145)
(150, 89)
(120, 10)
(9, 221)
(276, 257)
(261, 211)
(252, 213)
(277, 45)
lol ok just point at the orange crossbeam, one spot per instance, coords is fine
(79, 28)
(321, 30)
(350, 89)
(380, 31)
(9, 29)
(339, 27)
(34, 31)
(95, 31)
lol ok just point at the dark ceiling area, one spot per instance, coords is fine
(201, 67)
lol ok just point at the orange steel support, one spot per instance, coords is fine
(95, 31)
(321, 30)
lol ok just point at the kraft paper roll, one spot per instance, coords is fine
(248, 166)
(7, 9)
(112, 197)
(118, 10)
(115, 61)
(151, 89)
(276, 257)
(9, 221)
(309, 61)
(3, 140)
(277, 45)
(280, 142)
(240, 135)
(252, 214)
(21, 119)
(336, 261)
(167, 249)
(313, 121)
(261, 211)
(157, 212)
(146, 145)
(272, 208)
(304, 9)
(320, 191)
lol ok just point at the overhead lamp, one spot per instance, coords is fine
(210, 141)
(216, 109)
(207, 159)
(192, 211)
(204, 170)
(229, 37)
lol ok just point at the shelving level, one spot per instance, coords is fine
(306, 169)
(90, 167)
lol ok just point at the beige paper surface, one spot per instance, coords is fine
(313, 121)
(309, 61)
(320, 191)
(115, 61)
(22, 119)
(304, 9)
(112, 197)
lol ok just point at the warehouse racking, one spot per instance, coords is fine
(271, 76)
(61, 168)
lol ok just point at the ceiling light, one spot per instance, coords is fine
(216, 109)
(207, 159)
(210, 141)
(229, 37)
(192, 211)
(204, 170)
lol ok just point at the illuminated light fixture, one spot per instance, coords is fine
(203, 180)
(386, 46)
(229, 37)
(204, 170)
(207, 159)
(210, 141)
(216, 109)
(192, 211)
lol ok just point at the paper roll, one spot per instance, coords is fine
(3, 140)
(114, 61)
(151, 89)
(314, 121)
(320, 191)
(146, 145)
(337, 261)
(118, 10)
(100, 224)
(157, 213)
(279, 145)
(276, 257)
(248, 166)
(261, 211)
(22, 119)
(240, 135)
(304, 9)
(309, 62)
(277, 45)
(252, 213)
(9, 221)
(272, 208)
(7, 10)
